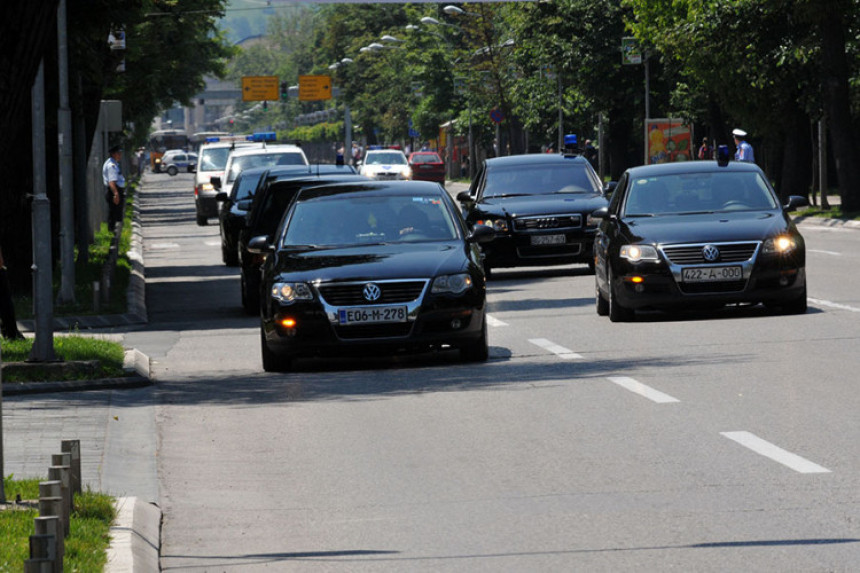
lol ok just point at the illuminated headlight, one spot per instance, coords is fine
(782, 244)
(499, 225)
(406, 173)
(636, 253)
(207, 187)
(291, 292)
(454, 284)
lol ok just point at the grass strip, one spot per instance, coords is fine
(89, 533)
(109, 356)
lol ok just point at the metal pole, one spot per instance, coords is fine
(43, 309)
(601, 154)
(471, 145)
(560, 147)
(822, 163)
(647, 106)
(347, 139)
(67, 187)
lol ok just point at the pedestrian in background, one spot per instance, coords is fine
(590, 153)
(8, 324)
(744, 151)
(705, 150)
(114, 186)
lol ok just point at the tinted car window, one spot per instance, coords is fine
(214, 159)
(426, 158)
(538, 180)
(245, 186)
(399, 218)
(698, 192)
(264, 160)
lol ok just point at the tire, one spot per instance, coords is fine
(272, 361)
(202, 221)
(172, 170)
(250, 295)
(600, 303)
(229, 256)
(796, 306)
(591, 265)
(488, 271)
(478, 351)
(617, 313)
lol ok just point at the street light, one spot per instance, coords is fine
(434, 21)
(457, 11)
(347, 116)
(419, 30)
(390, 38)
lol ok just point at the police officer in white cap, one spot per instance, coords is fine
(744, 150)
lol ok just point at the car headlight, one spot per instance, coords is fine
(500, 225)
(636, 253)
(407, 173)
(291, 292)
(454, 284)
(783, 244)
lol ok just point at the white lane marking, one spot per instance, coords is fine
(493, 321)
(819, 302)
(561, 351)
(834, 253)
(642, 389)
(775, 453)
(212, 243)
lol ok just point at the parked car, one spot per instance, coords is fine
(400, 272)
(539, 205)
(427, 166)
(265, 211)
(385, 165)
(697, 234)
(212, 162)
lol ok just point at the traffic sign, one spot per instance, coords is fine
(496, 115)
(260, 88)
(314, 88)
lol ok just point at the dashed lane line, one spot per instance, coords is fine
(560, 351)
(642, 389)
(495, 322)
(777, 454)
(829, 304)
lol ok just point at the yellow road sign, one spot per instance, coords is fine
(260, 88)
(314, 88)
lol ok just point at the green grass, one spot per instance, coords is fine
(110, 356)
(86, 274)
(88, 541)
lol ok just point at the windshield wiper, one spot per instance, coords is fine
(635, 215)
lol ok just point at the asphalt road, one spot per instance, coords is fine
(725, 441)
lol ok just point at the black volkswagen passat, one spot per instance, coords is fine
(377, 265)
(540, 207)
(697, 234)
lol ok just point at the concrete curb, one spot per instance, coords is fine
(135, 537)
(821, 222)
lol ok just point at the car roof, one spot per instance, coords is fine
(692, 167)
(535, 159)
(236, 144)
(279, 148)
(373, 187)
(369, 151)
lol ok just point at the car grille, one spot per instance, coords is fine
(729, 253)
(572, 221)
(360, 331)
(386, 175)
(713, 287)
(351, 294)
(565, 250)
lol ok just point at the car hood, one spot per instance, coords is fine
(373, 262)
(716, 227)
(385, 167)
(543, 204)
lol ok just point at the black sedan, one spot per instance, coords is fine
(233, 207)
(540, 207)
(372, 266)
(697, 234)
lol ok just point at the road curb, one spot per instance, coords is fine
(135, 537)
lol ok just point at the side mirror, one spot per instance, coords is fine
(795, 201)
(464, 197)
(216, 182)
(260, 245)
(244, 204)
(481, 234)
(221, 197)
(602, 213)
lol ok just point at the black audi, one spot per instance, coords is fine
(697, 234)
(369, 266)
(540, 206)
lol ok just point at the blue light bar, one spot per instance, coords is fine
(263, 136)
(570, 140)
(213, 139)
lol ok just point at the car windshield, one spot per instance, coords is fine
(426, 158)
(539, 180)
(385, 158)
(688, 193)
(272, 159)
(214, 159)
(344, 220)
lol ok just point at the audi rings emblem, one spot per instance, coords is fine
(711, 253)
(371, 292)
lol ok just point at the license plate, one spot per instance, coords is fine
(548, 239)
(371, 314)
(711, 274)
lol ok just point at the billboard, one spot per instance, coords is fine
(668, 140)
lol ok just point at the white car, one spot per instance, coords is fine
(265, 156)
(385, 165)
(212, 159)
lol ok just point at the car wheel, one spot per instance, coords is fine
(488, 271)
(478, 351)
(172, 170)
(796, 306)
(272, 361)
(591, 265)
(250, 295)
(600, 302)
(229, 256)
(202, 221)
(617, 313)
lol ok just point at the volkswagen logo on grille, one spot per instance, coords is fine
(710, 253)
(371, 292)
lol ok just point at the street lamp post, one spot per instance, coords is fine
(347, 117)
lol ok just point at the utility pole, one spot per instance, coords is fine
(43, 308)
(67, 184)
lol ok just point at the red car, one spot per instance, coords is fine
(427, 166)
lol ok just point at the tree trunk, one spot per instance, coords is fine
(620, 128)
(796, 173)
